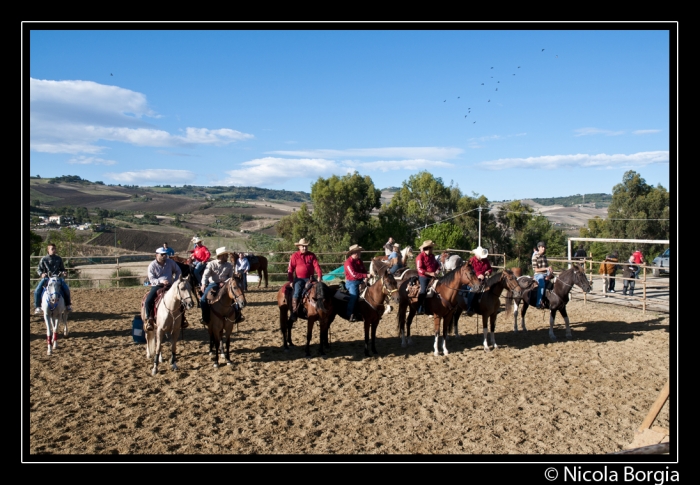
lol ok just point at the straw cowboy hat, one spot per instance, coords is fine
(481, 253)
(302, 242)
(426, 244)
(222, 250)
(196, 239)
(397, 245)
(355, 248)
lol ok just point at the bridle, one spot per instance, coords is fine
(232, 294)
(385, 291)
(461, 269)
(53, 296)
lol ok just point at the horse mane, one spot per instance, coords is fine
(450, 276)
(493, 279)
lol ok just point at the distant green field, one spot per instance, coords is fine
(35, 195)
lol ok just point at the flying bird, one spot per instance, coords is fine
(445, 101)
(557, 57)
(513, 74)
(496, 89)
(492, 68)
(499, 82)
(465, 116)
(111, 74)
(475, 122)
(518, 67)
(482, 84)
(488, 101)
(542, 50)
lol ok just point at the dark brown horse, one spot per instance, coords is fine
(488, 303)
(225, 311)
(370, 307)
(315, 306)
(555, 298)
(257, 263)
(442, 305)
(186, 265)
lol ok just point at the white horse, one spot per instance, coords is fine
(449, 261)
(378, 263)
(54, 306)
(169, 314)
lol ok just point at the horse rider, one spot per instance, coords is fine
(200, 255)
(395, 256)
(482, 268)
(389, 246)
(168, 250)
(355, 273)
(215, 274)
(51, 265)
(427, 267)
(302, 265)
(162, 272)
(541, 269)
(241, 270)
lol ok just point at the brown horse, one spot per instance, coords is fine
(488, 303)
(555, 297)
(370, 306)
(315, 306)
(224, 312)
(257, 263)
(441, 306)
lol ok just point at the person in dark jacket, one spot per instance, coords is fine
(629, 270)
(51, 265)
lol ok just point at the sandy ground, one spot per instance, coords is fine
(95, 395)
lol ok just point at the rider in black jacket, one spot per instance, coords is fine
(51, 265)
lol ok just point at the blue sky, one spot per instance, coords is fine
(502, 113)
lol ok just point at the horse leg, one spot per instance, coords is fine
(516, 306)
(54, 329)
(522, 315)
(566, 321)
(493, 330)
(156, 353)
(374, 336)
(228, 346)
(48, 333)
(309, 334)
(552, 314)
(436, 332)
(455, 321)
(446, 320)
(485, 328)
(65, 324)
(402, 324)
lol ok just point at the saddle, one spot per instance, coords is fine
(413, 288)
(400, 272)
(289, 297)
(159, 296)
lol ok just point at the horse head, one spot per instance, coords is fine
(185, 293)
(467, 276)
(580, 278)
(235, 292)
(510, 280)
(53, 289)
(390, 288)
(318, 294)
(407, 254)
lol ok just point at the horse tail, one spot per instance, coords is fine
(509, 301)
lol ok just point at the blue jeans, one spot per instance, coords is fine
(203, 300)
(539, 277)
(198, 272)
(40, 286)
(151, 299)
(299, 284)
(394, 269)
(354, 290)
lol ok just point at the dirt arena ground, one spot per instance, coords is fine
(587, 396)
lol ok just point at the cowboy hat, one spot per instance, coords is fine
(196, 239)
(480, 252)
(302, 242)
(222, 250)
(397, 245)
(355, 248)
(427, 244)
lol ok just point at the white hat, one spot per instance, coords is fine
(481, 253)
(161, 250)
(222, 250)
(196, 239)
(302, 242)
(397, 245)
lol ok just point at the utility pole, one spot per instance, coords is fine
(480, 226)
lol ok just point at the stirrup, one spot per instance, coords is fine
(69, 308)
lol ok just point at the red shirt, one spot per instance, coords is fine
(304, 266)
(638, 258)
(354, 269)
(426, 262)
(201, 253)
(480, 266)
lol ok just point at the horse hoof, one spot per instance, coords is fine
(48, 352)
(154, 372)
(216, 365)
(211, 353)
(229, 363)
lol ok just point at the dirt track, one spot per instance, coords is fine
(95, 395)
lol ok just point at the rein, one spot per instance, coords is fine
(385, 289)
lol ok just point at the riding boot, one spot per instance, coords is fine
(421, 302)
(150, 324)
(184, 323)
(206, 313)
(295, 304)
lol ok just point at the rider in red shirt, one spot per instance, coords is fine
(355, 273)
(201, 256)
(482, 268)
(301, 267)
(427, 267)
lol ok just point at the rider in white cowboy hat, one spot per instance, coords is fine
(395, 256)
(215, 274)
(161, 272)
(482, 268)
(355, 273)
(200, 255)
(427, 267)
(302, 265)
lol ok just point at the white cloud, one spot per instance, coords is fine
(82, 160)
(645, 132)
(391, 165)
(596, 131)
(274, 171)
(72, 116)
(153, 176)
(553, 162)
(386, 152)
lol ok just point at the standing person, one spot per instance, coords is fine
(242, 268)
(302, 265)
(168, 250)
(608, 269)
(482, 268)
(638, 259)
(629, 270)
(201, 255)
(51, 265)
(389, 246)
(395, 259)
(541, 268)
(580, 253)
(355, 273)
(162, 272)
(427, 267)
(215, 274)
